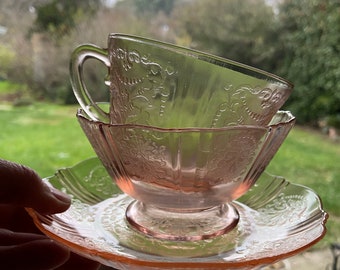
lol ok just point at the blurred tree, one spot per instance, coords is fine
(58, 17)
(310, 40)
(55, 43)
(54, 23)
(152, 17)
(7, 58)
(15, 49)
(154, 6)
(239, 30)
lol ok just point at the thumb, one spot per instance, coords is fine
(21, 186)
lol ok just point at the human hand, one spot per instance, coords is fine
(22, 245)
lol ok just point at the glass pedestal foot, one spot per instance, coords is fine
(176, 225)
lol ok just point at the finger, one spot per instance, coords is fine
(16, 218)
(21, 186)
(9, 238)
(39, 254)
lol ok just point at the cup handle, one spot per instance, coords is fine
(78, 57)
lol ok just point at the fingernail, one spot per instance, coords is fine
(61, 196)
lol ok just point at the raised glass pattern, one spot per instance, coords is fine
(185, 177)
(160, 84)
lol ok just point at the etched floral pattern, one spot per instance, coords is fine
(246, 104)
(139, 85)
(214, 165)
(175, 160)
(146, 88)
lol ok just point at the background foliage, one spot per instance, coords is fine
(238, 30)
(297, 39)
(310, 37)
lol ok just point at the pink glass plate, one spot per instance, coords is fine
(278, 219)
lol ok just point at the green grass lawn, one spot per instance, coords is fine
(42, 136)
(47, 137)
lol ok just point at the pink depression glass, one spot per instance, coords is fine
(185, 132)
(183, 179)
(160, 84)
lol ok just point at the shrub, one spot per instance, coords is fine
(7, 58)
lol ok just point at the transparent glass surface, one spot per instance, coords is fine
(277, 219)
(159, 84)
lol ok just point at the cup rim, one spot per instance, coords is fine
(207, 57)
(81, 114)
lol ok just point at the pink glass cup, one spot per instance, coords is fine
(163, 85)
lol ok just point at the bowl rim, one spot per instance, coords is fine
(82, 115)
